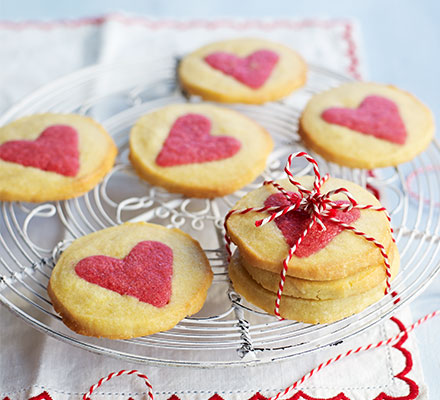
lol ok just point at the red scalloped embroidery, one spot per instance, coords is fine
(302, 396)
(216, 397)
(413, 387)
(353, 68)
(42, 396)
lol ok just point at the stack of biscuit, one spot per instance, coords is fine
(334, 273)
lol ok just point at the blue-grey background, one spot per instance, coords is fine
(401, 37)
(402, 47)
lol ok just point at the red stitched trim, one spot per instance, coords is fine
(302, 396)
(216, 397)
(410, 178)
(183, 24)
(42, 396)
(353, 68)
(48, 25)
(373, 189)
(188, 24)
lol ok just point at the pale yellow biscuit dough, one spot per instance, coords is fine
(199, 78)
(358, 150)
(297, 309)
(92, 310)
(206, 179)
(97, 153)
(354, 284)
(265, 247)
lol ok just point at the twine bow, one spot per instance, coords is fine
(319, 207)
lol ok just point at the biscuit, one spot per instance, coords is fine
(129, 280)
(338, 255)
(366, 125)
(360, 282)
(199, 150)
(48, 157)
(250, 71)
(304, 310)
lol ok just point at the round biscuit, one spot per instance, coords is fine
(205, 179)
(97, 153)
(92, 310)
(354, 149)
(199, 78)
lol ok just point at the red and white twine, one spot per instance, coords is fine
(319, 206)
(115, 374)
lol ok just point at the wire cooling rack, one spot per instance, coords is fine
(227, 331)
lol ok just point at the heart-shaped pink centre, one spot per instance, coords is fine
(55, 150)
(145, 273)
(376, 116)
(293, 224)
(253, 70)
(190, 141)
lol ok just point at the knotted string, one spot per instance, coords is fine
(318, 206)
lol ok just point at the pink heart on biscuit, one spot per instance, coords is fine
(294, 223)
(376, 116)
(253, 70)
(55, 150)
(190, 141)
(145, 273)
